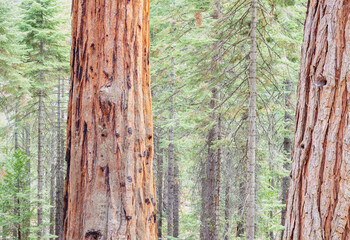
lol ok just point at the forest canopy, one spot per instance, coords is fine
(174, 119)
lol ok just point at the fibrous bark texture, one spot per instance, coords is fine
(318, 204)
(109, 190)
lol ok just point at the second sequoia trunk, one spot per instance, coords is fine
(109, 191)
(318, 200)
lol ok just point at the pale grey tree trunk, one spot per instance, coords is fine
(26, 139)
(176, 207)
(16, 125)
(228, 160)
(204, 201)
(241, 202)
(59, 170)
(52, 188)
(159, 188)
(211, 175)
(287, 147)
(170, 205)
(250, 217)
(40, 167)
(17, 228)
(218, 181)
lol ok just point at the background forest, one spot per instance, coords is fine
(199, 72)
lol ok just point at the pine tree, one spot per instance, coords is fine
(11, 51)
(14, 185)
(45, 52)
(12, 81)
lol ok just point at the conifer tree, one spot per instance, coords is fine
(12, 81)
(45, 52)
(14, 185)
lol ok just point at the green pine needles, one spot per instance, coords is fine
(16, 207)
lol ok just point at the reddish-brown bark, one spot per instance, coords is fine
(318, 205)
(109, 192)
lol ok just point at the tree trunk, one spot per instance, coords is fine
(240, 222)
(27, 145)
(212, 174)
(159, 185)
(52, 189)
(176, 207)
(170, 205)
(250, 221)
(211, 182)
(16, 125)
(204, 201)
(17, 210)
(109, 190)
(318, 199)
(40, 167)
(228, 200)
(218, 182)
(287, 147)
(26, 223)
(59, 170)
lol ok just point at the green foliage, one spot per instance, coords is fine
(15, 199)
(12, 51)
(204, 53)
(33, 39)
(191, 54)
(44, 40)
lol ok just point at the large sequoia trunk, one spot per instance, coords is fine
(109, 191)
(318, 205)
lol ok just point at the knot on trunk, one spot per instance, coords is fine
(108, 96)
(93, 235)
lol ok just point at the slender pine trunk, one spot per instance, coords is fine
(250, 218)
(59, 170)
(159, 188)
(241, 203)
(228, 201)
(52, 188)
(26, 223)
(287, 147)
(170, 205)
(212, 174)
(218, 180)
(40, 167)
(204, 201)
(17, 210)
(176, 198)
(210, 220)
